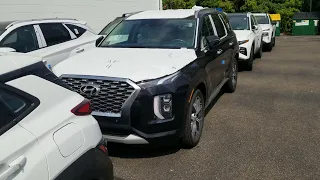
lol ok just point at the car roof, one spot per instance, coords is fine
(47, 20)
(260, 14)
(238, 14)
(12, 61)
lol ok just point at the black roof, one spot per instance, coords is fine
(306, 15)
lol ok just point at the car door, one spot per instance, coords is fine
(23, 39)
(257, 33)
(21, 157)
(224, 46)
(58, 42)
(210, 58)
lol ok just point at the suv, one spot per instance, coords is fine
(249, 35)
(50, 39)
(46, 131)
(269, 30)
(151, 78)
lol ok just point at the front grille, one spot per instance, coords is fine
(108, 96)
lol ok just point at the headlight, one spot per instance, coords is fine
(243, 42)
(162, 106)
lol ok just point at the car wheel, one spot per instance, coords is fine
(269, 46)
(250, 60)
(231, 84)
(259, 54)
(194, 120)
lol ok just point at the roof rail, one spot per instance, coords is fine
(42, 19)
(130, 14)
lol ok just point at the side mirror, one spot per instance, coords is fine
(7, 49)
(98, 41)
(255, 27)
(213, 40)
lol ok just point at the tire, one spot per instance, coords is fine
(274, 41)
(249, 63)
(231, 84)
(194, 120)
(259, 54)
(269, 46)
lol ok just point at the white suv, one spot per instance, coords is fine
(46, 131)
(249, 35)
(50, 39)
(269, 29)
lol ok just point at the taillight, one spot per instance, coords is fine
(82, 109)
(103, 149)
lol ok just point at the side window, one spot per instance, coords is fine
(22, 39)
(11, 107)
(253, 22)
(226, 22)
(78, 31)
(219, 26)
(207, 30)
(54, 33)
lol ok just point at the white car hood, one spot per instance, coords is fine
(242, 34)
(133, 63)
(265, 26)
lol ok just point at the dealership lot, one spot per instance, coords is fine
(268, 129)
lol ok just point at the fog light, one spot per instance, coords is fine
(162, 106)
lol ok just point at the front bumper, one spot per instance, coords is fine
(244, 52)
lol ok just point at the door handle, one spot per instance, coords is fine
(79, 50)
(219, 51)
(230, 43)
(14, 166)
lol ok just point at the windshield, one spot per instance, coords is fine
(110, 26)
(2, 31)
(152, 33)
(239, 22)
(262, 19)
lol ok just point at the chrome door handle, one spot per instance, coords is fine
(219, 51)
(14, 166)
(79, 50)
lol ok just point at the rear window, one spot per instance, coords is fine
(262, 19)
(2, 31)
(78, 31)
(14, 106)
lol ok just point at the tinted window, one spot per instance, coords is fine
(207, 28)
(55, 33)
(226, 21)
(78, 31)
(219, 25)
(239, 22)
(11, 106)
(106, 30)
(262, 19)
(2, 31)
(22, 39)
(152, 33)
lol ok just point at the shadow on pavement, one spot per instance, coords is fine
(214, 101)
(140, 151)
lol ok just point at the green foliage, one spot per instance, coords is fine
(286, 8)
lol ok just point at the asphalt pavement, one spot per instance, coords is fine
(268, 129)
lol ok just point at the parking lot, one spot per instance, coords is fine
(268, 129)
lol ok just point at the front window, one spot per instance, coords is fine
(239, 22)
(152, 33)
(262, 19)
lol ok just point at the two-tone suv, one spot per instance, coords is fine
(154, 74)
(249, 35)
(269, 30)
(46, 131)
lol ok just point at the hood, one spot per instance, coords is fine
(242, 34)
(265, 26)
(133, 63)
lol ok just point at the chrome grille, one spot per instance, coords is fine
(108, 99)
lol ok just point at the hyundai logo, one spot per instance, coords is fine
(90, 89)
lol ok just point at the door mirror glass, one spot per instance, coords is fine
(7, 49)
(98, 41)
(213, 40)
